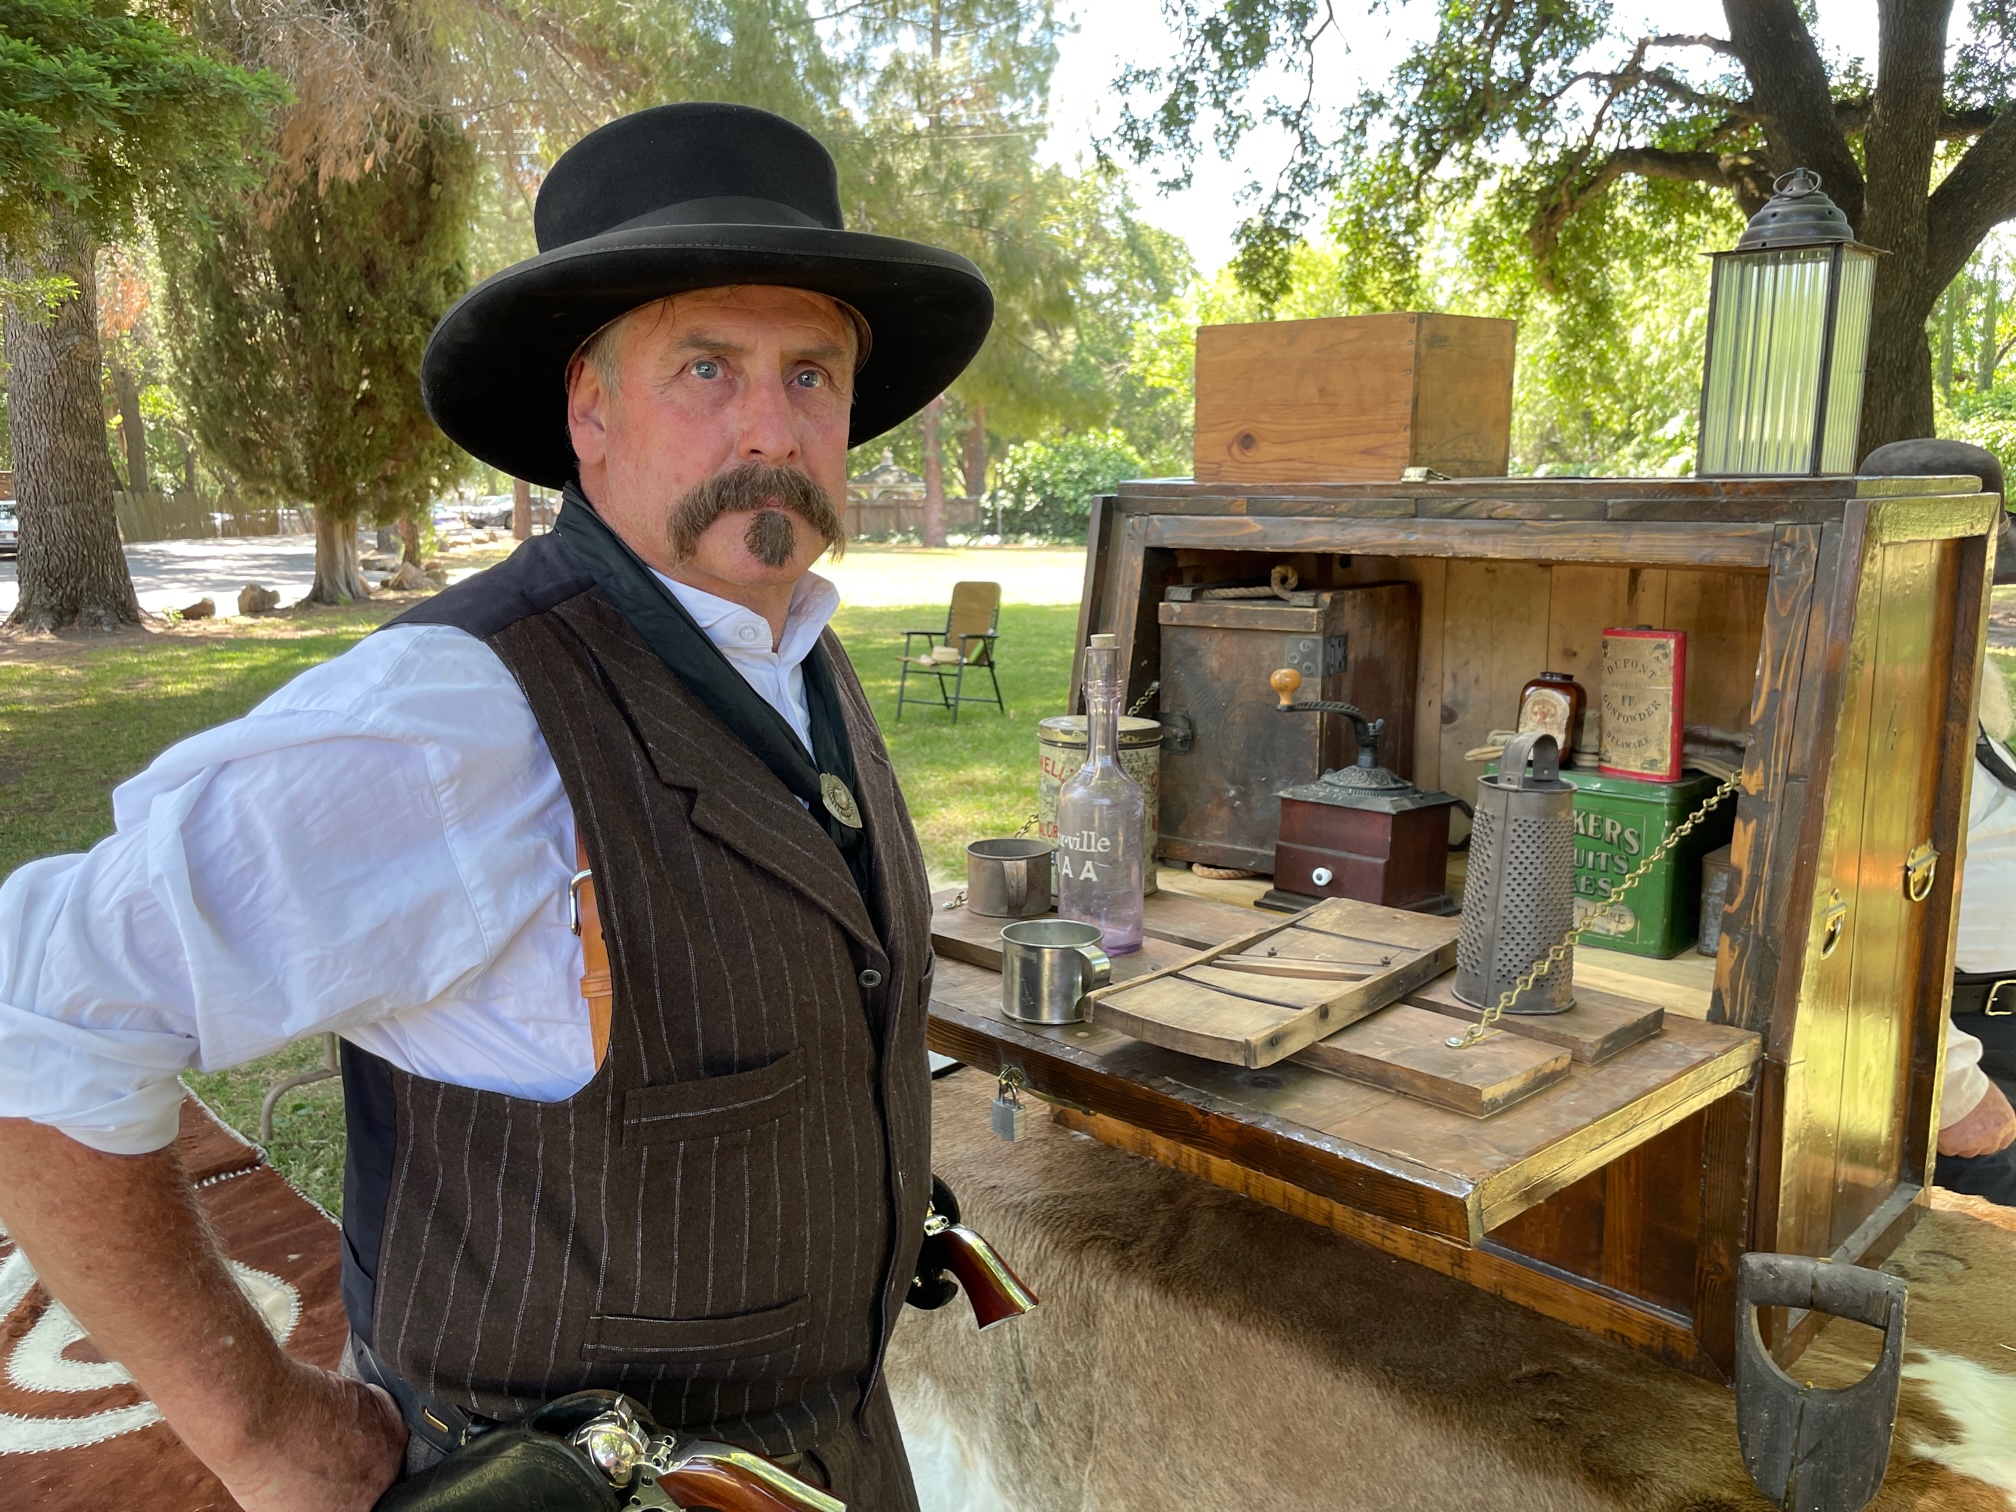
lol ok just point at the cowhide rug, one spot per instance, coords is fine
(1198, 1350)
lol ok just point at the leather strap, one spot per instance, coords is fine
(1992, 993)
(597, 986)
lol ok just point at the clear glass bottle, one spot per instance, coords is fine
(1101, 817)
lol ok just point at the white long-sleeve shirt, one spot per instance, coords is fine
(1985, 938)
(381, 848)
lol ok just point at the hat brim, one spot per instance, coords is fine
(494, 374)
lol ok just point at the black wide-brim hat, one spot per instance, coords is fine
(672, 199)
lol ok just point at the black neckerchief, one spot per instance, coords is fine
(697, 662)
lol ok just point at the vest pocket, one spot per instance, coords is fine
(679, 1342)
(715, 1176)
(710, 1106)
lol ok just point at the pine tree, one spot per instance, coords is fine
(300, 335)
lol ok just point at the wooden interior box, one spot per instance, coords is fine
(1353, 398)
(1228, 750)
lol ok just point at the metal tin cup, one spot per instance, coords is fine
(1008, 879)
(1047, 967)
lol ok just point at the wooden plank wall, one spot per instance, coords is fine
(1487, 627)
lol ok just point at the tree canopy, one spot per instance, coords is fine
(1539, 111)
(109, 113)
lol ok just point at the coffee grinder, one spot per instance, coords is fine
(1359, 831)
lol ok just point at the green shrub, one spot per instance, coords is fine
(1044, 489)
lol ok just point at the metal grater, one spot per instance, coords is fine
(1519, 893)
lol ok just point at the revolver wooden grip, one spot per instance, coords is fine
(728, 1479)
(996, 1292)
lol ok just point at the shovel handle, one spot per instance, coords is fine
(996, 1292)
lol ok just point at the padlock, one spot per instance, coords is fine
(1011, 1119)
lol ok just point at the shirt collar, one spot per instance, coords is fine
(814, 600)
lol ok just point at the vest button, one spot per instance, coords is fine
(871, 978)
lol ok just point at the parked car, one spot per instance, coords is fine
(10, 530)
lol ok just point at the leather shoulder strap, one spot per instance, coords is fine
(597, 986)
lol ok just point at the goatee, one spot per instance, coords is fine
(776, 498)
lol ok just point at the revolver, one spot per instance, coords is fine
(599, 1451)
(956, 1259)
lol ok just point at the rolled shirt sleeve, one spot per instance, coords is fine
(1966, 1083)
(380, 849)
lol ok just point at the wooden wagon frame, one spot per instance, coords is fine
(1841, 622)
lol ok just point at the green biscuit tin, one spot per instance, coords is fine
(1619, 821)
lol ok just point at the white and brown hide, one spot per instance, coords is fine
(1198, 1350)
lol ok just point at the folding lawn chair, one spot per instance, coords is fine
(972, 625)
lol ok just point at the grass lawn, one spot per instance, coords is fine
(76, 722)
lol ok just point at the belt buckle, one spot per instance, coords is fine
(1995, 991)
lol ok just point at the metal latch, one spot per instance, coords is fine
(1178, 733)
(1833, 923)
(1920, 867)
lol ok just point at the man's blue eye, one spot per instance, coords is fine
(706, 367)
(811, 378)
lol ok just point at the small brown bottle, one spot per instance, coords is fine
(1553, 703)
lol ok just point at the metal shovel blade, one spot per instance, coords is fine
(1808, 1448)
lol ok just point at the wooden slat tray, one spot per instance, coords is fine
(1262, 996)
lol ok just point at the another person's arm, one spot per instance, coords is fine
(1975, 1118)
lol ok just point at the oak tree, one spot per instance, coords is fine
(1542, 108)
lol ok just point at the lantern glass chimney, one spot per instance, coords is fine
(1788, 341)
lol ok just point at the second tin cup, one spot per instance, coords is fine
(1047, 967)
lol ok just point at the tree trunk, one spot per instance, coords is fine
(72, 571)
(976, 453)
(188, 464)
(132, 430)
(521, 510)
(1991, 320)
(338, 578)
(409, 539)
(1897, 394)
(934, 472)
(1949, 320)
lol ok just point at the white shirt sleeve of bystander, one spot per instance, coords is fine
(364, 844)
(1966, 1083)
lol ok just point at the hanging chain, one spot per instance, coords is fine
(1559, 952)
(1145, 699)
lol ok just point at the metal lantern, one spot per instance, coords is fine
(1788, 338)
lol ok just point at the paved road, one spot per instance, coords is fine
(174, 574)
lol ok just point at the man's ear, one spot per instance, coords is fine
(587, 413)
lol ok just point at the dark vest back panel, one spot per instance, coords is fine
(724, 1221)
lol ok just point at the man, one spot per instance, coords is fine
(1977, 1126)
(706, 1190)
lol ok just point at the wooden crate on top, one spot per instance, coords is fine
(1353, 398)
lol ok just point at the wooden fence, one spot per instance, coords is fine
(193, 517)
(867, 519)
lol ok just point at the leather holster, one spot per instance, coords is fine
(528, 1467)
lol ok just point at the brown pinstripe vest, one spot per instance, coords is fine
(724, 1222)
